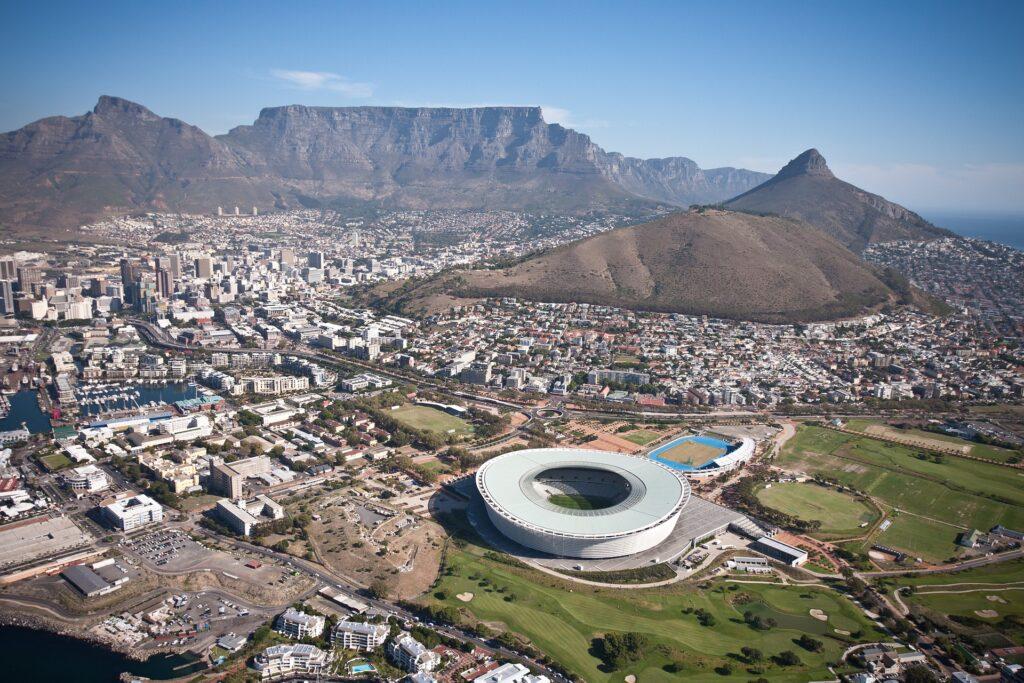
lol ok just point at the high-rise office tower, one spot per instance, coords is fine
(6, 296)
(174, 266)
(28, 277)
(164, 283)
(204, 267)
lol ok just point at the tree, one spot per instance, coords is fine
(810, 644)
(752, 654)
(787, 658)
(379, 589)
(618, 649)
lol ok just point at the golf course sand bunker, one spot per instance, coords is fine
(995, 598)
(818, 614)
(465, 597)
(986, 613)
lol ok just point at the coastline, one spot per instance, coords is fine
(37, 622)
(40, 623)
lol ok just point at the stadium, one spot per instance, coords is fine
(582, 503)
(700, 456)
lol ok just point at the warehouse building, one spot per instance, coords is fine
(777, 550)
(99, 579)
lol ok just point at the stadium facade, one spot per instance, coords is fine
(582, 503)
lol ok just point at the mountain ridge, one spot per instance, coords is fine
(806, 189)
(120, 157)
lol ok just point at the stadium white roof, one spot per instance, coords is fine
(656, 492)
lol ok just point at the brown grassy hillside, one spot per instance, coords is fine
(719, 263)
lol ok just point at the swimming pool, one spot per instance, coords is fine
(681, 454)
(363, 669)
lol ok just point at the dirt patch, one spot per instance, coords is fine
(986, 613)
(818, 614)
(914, 439)
(402, 549)
(465, 597)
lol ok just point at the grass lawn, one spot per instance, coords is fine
(55, 461)
(995, 587)
(840, 514)
(1001, 572)
(920, 537)
(641, 437)
(961, 492)
(189, 503)
(564, 619)
(433, 466)
(430, 420)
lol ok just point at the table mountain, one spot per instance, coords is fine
(120, 157)
(722, 263)
(805, 188)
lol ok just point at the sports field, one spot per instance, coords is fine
(919, 537)
(430, 420)
(840, 514)
(578, 502)
(690, 451)
(564, 624)
(640, 437)
(55, 461)
(965, 493)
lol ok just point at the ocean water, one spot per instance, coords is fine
(30, 655)
(1003, 228)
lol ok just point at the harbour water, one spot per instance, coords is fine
(31, 655)
(25, 408)
(93, 400)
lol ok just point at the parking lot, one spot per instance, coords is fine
(169, 549)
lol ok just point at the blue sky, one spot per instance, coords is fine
(919, 101)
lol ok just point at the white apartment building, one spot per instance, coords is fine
(411, 655)
(186, 427)
(296, 624)
(131, 513)
(85, 480)
(242, 516)
(354, 635)
(279, 661)
(274, 385)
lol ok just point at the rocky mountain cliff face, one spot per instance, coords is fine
(121, 157)
(805, 188)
